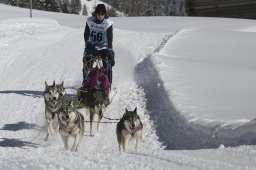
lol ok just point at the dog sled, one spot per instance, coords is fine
(96, 85)
(92, 97)
(97, 75)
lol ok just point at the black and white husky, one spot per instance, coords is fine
(53, 102)
(71, 123)
(130, 126)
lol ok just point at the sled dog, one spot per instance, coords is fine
(97, 109)
(99, 103)
(130, 126)
(53, 102)
(71, 123)
(61, 89)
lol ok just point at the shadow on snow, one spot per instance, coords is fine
(30, 93)
(16, 143)
(20, 126)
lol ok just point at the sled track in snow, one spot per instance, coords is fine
(172, 128)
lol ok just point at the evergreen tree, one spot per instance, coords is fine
(150, 7)
(55, 5)
(13, 2)
(23, 3)
(4, 1)
(85, 12)
(65, 8)
(111, 12)
(47, 5)
(75, 7)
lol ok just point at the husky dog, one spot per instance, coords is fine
(53, 103)
(99, 104)
(61, 89)
(71, 124)
(97, 109)
(130, 126)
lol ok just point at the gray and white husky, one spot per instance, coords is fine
(71, 123)
(53, 102)
(99, 105)
(130, 126)
(97, 109)
(61, 89)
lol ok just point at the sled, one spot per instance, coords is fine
(96, 87)
(92, 97)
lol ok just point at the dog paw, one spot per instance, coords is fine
(73, 149)
(52, 133)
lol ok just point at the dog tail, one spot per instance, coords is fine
(118, 133)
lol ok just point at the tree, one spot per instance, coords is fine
(75, 7)
(85, 12)
(112, 12)
(149, 7)
(13, 2)
(47, 5)
(52, 5)
(4, 1)
(65, 8)
(23, 3)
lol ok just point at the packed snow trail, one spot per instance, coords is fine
(45, 51)
(38, 50)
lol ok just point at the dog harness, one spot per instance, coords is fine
(135, 129)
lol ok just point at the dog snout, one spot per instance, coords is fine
(133, 125)
(54, 98)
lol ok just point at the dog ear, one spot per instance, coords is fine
(126, 111)
(54, 83)
(71, 104)
(46, 85)
(62, 83)
(135, 110)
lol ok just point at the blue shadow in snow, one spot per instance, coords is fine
(32, 93)
(19, 126)
(16, 143)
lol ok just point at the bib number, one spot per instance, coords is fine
(96, 36)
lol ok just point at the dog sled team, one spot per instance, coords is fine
(61, 115)
(60, 111)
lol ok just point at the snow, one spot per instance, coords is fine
(192, 80)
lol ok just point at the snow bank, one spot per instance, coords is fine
(182, 120)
